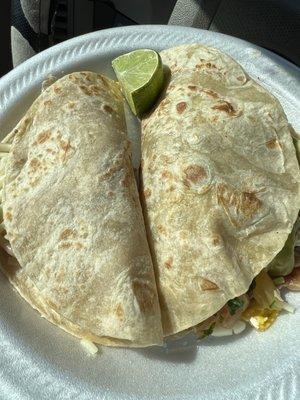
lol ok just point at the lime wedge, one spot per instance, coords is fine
(141, 76)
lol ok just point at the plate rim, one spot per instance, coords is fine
(39, 63)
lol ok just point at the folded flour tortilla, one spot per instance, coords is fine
(73, 218)
(220, 184)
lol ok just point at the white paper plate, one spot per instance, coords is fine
(39, 361)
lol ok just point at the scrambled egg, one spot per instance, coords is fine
(260, 318)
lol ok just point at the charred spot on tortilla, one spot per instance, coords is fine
(250, 204)
(272, 144)
(92, 90)
(19, 163)
(84, 89)
(34, 164)
(208, 285)
(194, 173)
(192, 87)
(127, 179)
(87, 76)
(102, 79)
(96, 90)
(75, 78)
(120, 312)
(43, 137)
(57, 89)
(211, 93)
(65, 146)
(216, 240)
(50, 151)
(47, 103)
(226, 107)
(166, 174)
(180, 107)
(186, 183)
(66, 233)
(239, 206)
(208, 65)
(169, 263)
(161, 229)
(8, 215)
(108, 109)
(65, 245)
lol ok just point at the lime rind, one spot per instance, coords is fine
(141, 76)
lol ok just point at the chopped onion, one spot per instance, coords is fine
(89, 346)
(220, 332)
(239, 327)
(288, 307)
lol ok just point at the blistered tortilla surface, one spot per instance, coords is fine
(220, 183)
(73, 218)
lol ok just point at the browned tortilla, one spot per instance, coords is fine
(73, 218)
(220, 184)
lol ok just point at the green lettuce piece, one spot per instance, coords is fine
(234, 305)
(284, 262)
(278, 280)
(209, 331)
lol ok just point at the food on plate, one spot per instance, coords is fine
(220, 189)
(141, 76)
(265, 304)
(220, 196)
(72, 216)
